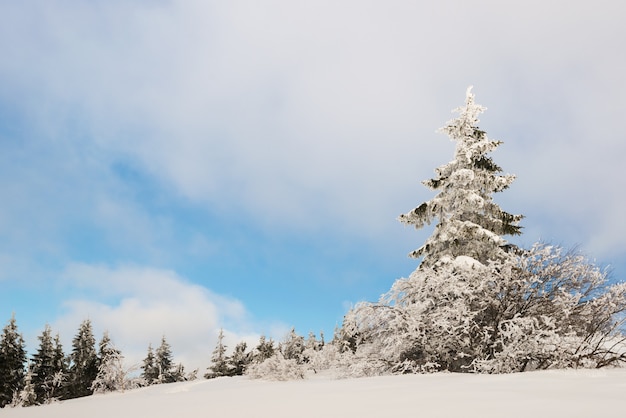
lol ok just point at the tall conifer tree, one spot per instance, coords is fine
(12, 362)
(164, 362)
(470, 223)
(84, 362)
(43, 369)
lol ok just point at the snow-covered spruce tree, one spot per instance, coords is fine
(312, 343)
(220, 362)
(26, 396)
(61, 369)
(264, 350)
(164, 363)
(150, 373)
(240, 359)
(469, 233)
(43, 368)
(12, 362)
(476, 303)
(179, 375)
(469, 222)
(84, 362)
(293, 347)
(111, 372)
(49, 369)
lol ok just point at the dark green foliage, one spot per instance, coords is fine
(43, 370)
(49, 369)
(178, 373)
(12, 362)
(84, 362)
(487, 164)
(60, 363)
(158, 366)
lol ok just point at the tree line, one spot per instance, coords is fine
(50, 375)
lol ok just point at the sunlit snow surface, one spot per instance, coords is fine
(562, 393)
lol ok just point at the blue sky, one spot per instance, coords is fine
(173, 167)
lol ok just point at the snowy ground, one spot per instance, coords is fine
(582, 393)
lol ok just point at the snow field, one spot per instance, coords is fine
(558, 393)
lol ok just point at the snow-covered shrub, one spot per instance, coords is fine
(26, 396)
(543, 309)
(276, 367)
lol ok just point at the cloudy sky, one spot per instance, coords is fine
(176, 167)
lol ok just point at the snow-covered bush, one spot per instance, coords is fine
(547, 310)
(276, 367)
(26, 396)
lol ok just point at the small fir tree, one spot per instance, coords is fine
(111, 372)
(312, 354)
(61, 369)
(150, 372)
(26, 396)
(312, 343)
(264, 350)
(220, 362)
(164, 362)
(240, 359)
(293, 347)
(12, 362)
(179, 375)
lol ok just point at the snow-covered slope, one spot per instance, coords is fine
(571, 393)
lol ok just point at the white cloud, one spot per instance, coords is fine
(321, 115)
(139, 305)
